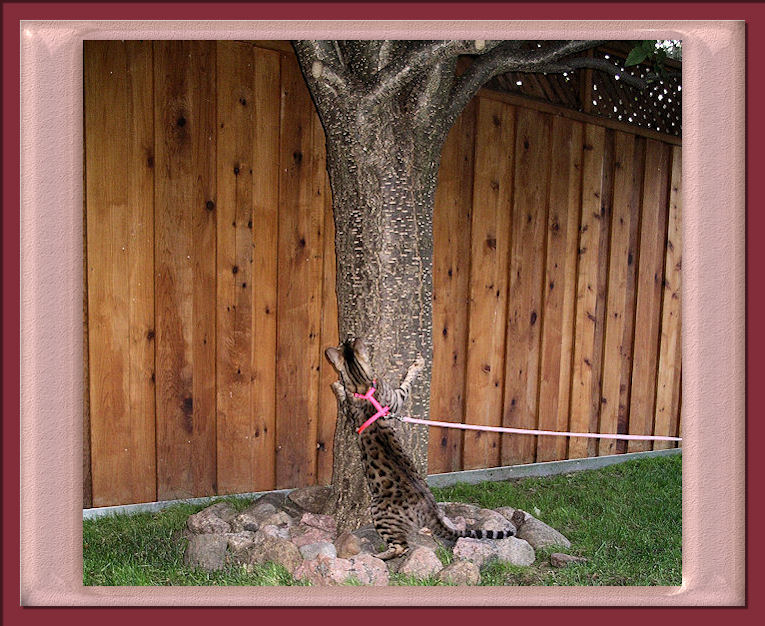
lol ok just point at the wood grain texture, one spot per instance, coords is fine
(451, 271)
(184, 79)
(585, 395)
(559, 286)
(668, 375)
(119, 135)
(301, 220)
(617, 352)
(236, 123)
(490, 234)
(265, 223)
(649, 292)
(526, 271)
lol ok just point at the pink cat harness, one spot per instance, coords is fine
(382, 411)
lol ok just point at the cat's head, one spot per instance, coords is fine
(352, 364)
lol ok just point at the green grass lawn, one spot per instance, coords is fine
(626, 519)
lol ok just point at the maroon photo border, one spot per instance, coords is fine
(753, 13)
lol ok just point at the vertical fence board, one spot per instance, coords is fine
(299, 288)
(586, 354)
(559, 285)
(649, 291)
(119, 135)
(668, 376)
(617, 350)
(451, 271)
(265, 182)
(234, 263)
(526, 271)
(492, 195)
(184, 78)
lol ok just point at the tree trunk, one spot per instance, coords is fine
(383, 186)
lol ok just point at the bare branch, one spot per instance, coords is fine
(508, 58)
(601, 65)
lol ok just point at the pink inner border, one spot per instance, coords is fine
(51, 296)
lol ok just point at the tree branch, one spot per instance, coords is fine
(601, 65)
(323, 66)
(423, 57)
(507, 58)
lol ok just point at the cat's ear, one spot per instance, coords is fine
(335, 358)
(360, 348)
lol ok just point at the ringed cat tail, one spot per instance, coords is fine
(446, 530)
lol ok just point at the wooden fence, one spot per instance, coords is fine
(210, 277)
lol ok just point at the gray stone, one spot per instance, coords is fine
(279, 532)
(238, 542)
(324, 570)
(515, 551)
(558, 559)
(207, 551)
(302, 535)
(311, 499)
(369, 570)
(486, 519)
(420, 563)
(253, 517)
(460, 573)
(269, 549)
(347, 545)
(326, 523)
(369, 539)
(312, 550)
(481, 551)
(281, 501)
(536, 532)
(477, 551)
(459, 509)
(213, 519)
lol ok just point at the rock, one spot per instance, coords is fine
(213, 519)
(515, 551)
(279, 532)
(423, 540)
(558, 559)
(207, 551)
(282, 502)
(238, 542)
(369, 539)
(459, 522)
(460, 573)
(347, 545)
(275, 550)
(477, 551)
(537, 533)
(326, 523)
(312, 550)
(368, 570)
(260, 514)
(253, 517)
(302, 535)
(324, 570)
(506, 511)
(486, 519)
(481, 551)
(310, 499)
(458, 509)
(420, 563)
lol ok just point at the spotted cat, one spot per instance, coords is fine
(402, 503)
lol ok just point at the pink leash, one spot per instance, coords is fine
(525, 431)
(382, 411)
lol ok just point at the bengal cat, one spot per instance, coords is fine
(402, 503)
